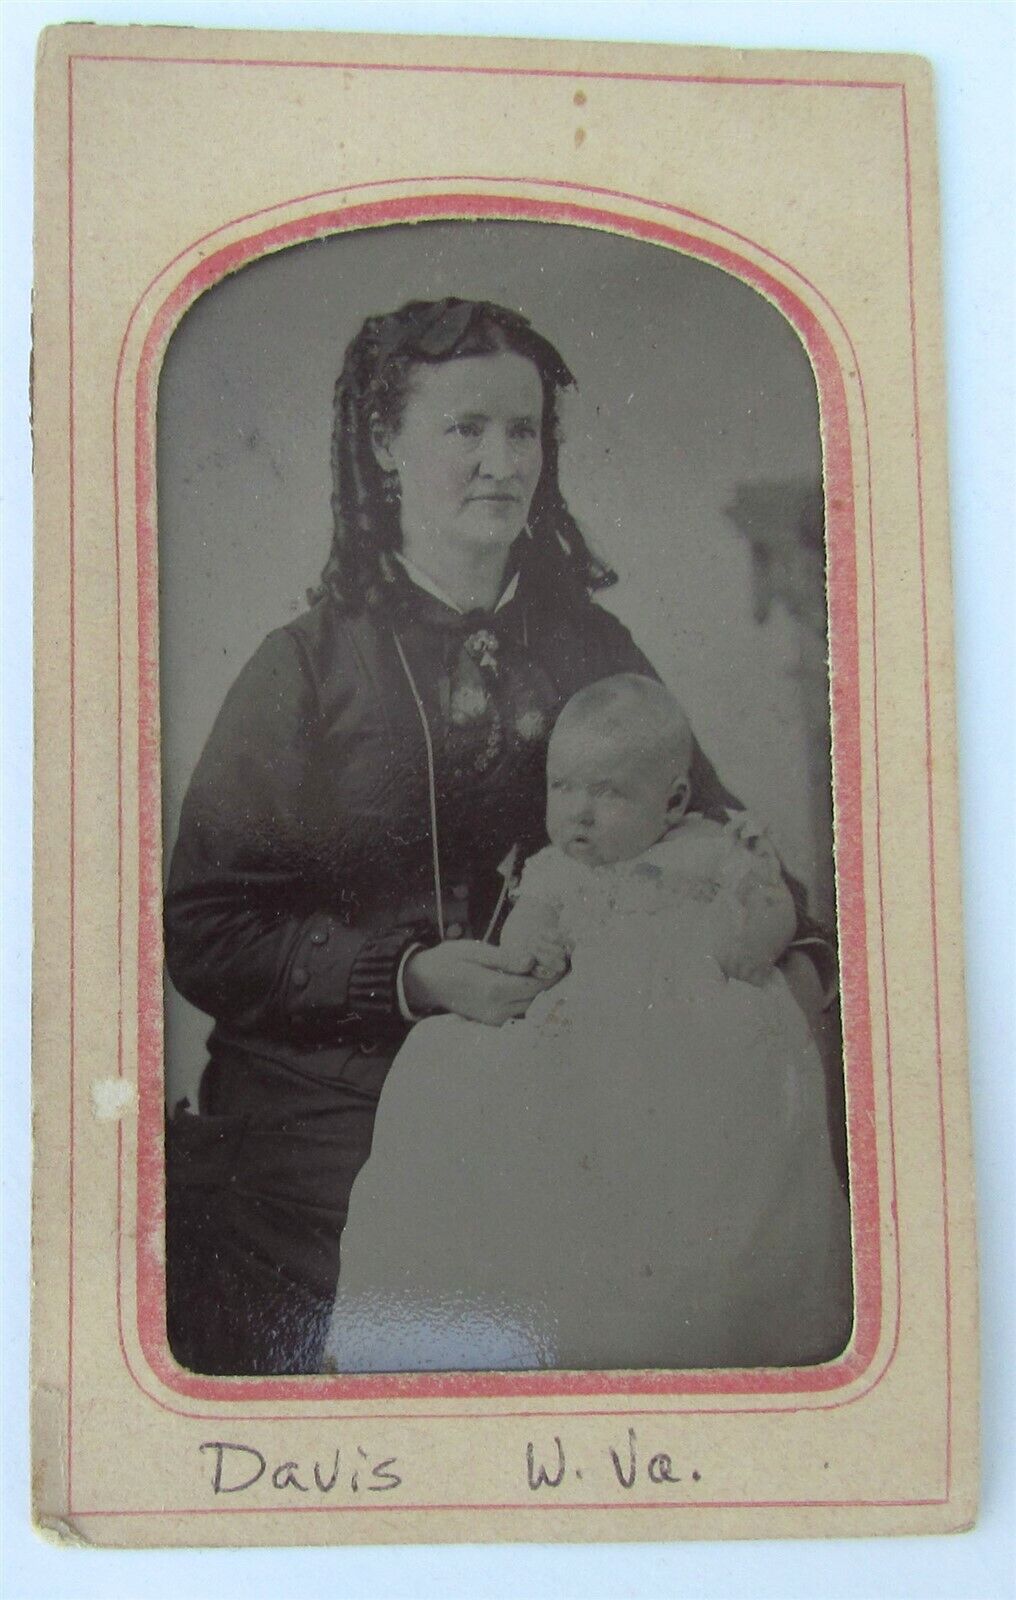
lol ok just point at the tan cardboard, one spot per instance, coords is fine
(169, 160)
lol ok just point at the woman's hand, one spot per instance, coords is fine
(755, 916)
(805, 985)
(471, 979)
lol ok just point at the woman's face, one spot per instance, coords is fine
(467, 452)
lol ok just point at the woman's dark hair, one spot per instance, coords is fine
(372, 390)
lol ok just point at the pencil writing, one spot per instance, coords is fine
(548, 1467)
(237, 1467)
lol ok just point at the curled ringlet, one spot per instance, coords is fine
(554, 562)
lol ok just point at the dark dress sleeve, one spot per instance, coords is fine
(256, 935)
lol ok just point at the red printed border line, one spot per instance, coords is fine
(463, 69)
(843, 629)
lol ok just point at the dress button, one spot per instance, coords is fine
(319, 936)
(454, 930)
(301, 977)
(460, 891)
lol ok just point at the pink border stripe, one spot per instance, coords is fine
(846, 706)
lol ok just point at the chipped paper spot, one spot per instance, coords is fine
(111, 1098)
(61, 1531)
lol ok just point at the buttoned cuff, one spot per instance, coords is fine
(376, 992)
(338, 977)
(313, 1001)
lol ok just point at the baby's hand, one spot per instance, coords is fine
(532, 935)
(550, 959)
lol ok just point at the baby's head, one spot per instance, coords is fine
(617, 770)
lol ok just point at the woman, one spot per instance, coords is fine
(374, 771)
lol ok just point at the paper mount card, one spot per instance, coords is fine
(168, 164)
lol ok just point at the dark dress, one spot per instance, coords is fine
(302, 873)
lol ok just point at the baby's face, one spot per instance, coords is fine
(605, 802)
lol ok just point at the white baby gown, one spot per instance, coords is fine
(637, 1174)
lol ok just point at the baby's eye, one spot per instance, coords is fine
(556, 785)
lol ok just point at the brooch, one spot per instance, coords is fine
(482, 647)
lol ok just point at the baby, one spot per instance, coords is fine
(638, 1172)
(622, 837)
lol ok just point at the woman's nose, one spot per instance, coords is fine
(497, 455)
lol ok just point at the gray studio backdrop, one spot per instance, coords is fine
(695, 400)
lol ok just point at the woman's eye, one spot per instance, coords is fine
(466, 430)
(524, 430)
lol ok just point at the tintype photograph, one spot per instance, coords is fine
(502, 865)
(499, 1068)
